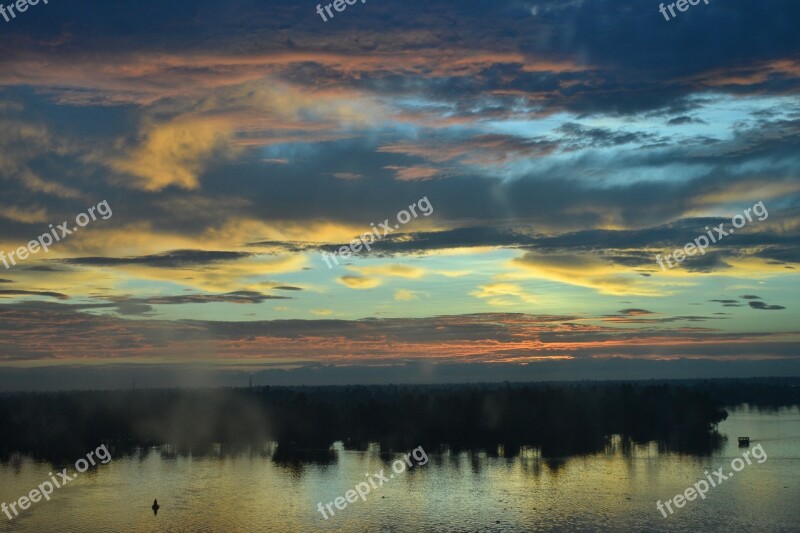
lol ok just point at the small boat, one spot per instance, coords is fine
(744, 441)
(155, 507)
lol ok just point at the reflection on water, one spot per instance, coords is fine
(267, 490)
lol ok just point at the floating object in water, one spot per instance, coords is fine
(744, 441)
(155, 507)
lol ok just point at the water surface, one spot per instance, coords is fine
(465, 492)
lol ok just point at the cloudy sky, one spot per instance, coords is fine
(561, 145)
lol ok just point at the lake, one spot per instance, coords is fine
(616, 490)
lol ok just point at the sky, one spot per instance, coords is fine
(552, 152)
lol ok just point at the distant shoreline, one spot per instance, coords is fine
(558, 419)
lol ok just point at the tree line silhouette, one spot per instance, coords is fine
(560, 420)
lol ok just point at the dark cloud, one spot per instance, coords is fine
(45, 268)
(174, 259)
(587, 86)
(13, 292)
(764, 307)
(710, 262)
(645, 50)
(616, 246)
(684, 119)
(577, 136)
(640, 319)
(144, 306)
(728, 303)
(237, 297)
(132, 308)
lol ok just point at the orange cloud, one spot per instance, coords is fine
(145, 79)
(413, 173)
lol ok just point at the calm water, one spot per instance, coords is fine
(608, 491)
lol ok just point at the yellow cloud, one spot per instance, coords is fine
(453, 273)
(22, 142)
(402, 295)
(26, 216)
(398, 271)
(36, 183)
(359, 282)
(77, 282)
(712, 203)
(175, 153)
(226, 276)
(503, 294)
(246, 273)
(584, 271)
